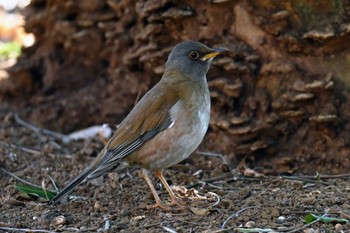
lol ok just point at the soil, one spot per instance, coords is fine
(280, 203)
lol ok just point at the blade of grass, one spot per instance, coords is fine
(312, 217)
(35, 191)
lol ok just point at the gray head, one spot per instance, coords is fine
(192, 59)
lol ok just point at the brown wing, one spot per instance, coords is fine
(150, 116)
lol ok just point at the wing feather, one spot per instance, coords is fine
(139, 127)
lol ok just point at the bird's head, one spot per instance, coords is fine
(192, 59)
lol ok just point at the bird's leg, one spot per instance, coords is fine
(159, 202)
(174, 199)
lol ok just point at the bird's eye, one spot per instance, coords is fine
(194, 55)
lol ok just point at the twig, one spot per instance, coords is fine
(107, 224)
(218, 199)
(327, 176)
(93, 229)
(168, 229)
(222, 157)
(306, 225)
(36, 129)
(341, 213)
(21, 148)
(230, 176)
(331, 212)
(304, 179)
(23, 181)
(72, 229)
(212, 179)
(250, 179)
(24, 229)
(154, 225)
(223, 230)
(43, 186)
(220, 187)
(236, 214)
(191, 223)
(224, 177)
(271, 181)
(54, 184)
(20, 179)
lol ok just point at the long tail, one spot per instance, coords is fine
(79, 179)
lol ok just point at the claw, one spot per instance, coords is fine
(159, 204)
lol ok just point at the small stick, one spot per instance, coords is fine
(216, 178)
(21, 148)
(54, 184)
(306, 225)
(303, 179)
(107, 224)
(222, 157)
(20, 179)
(168, 229)
(236, 214)
(341, 213)
(191, 223)
(153, 225)
(346, 175)
(218, 199)
(220, 187)
(36, 129)
(23, 229)
(23, 181)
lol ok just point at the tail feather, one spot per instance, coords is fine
(79, 179)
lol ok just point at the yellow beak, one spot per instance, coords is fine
(214, 53)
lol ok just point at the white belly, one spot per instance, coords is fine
(193, 126)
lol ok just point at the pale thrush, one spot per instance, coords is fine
(165, 126)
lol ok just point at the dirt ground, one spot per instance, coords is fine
(118, 205)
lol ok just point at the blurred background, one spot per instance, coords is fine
(280, 97)
(12, 33)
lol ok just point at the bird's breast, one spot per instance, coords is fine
(191, 119)
(192, 116)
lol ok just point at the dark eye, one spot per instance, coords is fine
(194, 55)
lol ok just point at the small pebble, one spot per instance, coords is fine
(338, 227)
(59, 220)
(137, 218)
(250, 224)
(281, 219)
(282, 229)
(309, 230)
(97, 206)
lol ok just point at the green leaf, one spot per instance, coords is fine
(35, 191)
(312, 217)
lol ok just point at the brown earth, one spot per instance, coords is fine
(122, 197)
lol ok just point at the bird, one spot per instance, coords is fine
(165, 126)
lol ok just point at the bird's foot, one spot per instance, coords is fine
(168, 207)
(157, 205)
(177, 202)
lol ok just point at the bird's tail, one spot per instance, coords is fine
(78, 180)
